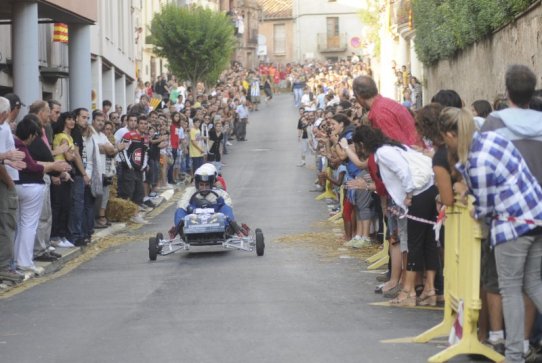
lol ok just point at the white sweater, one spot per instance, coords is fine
(396, 175)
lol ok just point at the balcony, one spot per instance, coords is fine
(401, 13)
(332, 43)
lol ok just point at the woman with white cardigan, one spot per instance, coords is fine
(392, 159)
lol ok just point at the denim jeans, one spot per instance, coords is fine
(78, 203)
(88, 213)
(518, 267)
(298, 93)
(170, 168)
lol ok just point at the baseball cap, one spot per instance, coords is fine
(14, 100)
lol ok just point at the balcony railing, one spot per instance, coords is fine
(332, 43)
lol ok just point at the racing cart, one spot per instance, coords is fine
(206, 227)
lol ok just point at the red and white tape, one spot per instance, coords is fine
(437, 225)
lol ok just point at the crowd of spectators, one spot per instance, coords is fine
(394, 158)
(58, 167)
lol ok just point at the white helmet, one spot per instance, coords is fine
(205, 173)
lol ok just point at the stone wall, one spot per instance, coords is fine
(478, 71)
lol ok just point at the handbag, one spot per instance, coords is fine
(96, 182)
(421, 167)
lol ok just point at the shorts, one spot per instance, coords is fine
(364, 205)
(153, 173)
(488, 268)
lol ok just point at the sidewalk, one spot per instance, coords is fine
(69, 254)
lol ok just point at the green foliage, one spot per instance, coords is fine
(445, 26)
(198, 43)
(370, 18)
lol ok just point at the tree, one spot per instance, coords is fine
(198, 43)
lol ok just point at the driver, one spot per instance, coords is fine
(200, 196)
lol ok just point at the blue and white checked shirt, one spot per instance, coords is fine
(502, 184)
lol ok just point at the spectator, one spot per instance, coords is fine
(61, 190)
(503, 185)
(420, 201)
(31, 191)
(134, 162)
(521, 126)
(104, 149)
(11, 162)
(385, 114)
(79, 232)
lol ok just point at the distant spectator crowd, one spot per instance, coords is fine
(390, 159)
(58, 167)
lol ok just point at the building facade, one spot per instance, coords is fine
(276, 32)
(36, 67)
(114, 52)
(326, 29)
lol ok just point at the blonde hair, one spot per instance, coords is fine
(459, 121)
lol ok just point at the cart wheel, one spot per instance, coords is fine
(260, 245)
(153, 248)
(159, 237)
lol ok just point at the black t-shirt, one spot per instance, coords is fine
(441, 159)
(41, 152)
(214, 152)
(154, 150)
(77, 137)
(303, 126)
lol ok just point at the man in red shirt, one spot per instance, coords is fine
(392, 118)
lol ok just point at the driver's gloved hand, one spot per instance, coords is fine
(172, 232)
(236, 229)
(175, 230)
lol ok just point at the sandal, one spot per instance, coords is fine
(427, 298)
(393, 292)
(405, 298)
(101, 222)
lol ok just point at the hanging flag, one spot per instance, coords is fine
(60, 33)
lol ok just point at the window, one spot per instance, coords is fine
(279, 38)
(332, 26)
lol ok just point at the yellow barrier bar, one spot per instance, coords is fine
(380, 254)
(339, 216)
(461, 283)
(328, 192)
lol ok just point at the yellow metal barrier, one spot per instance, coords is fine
(380, 258)
(461, 284)
(338, 217)
(328, 192)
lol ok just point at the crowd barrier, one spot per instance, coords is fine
(328, 191)
(462, 251)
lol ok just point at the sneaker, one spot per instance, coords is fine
(229, 143)
(54, 241)
(65, 243)
(45, 257)
(153, 194)
(497, 345)
(361, 243)
(301, 164)
(12, 276)
(352, 241)
(531, 355)
(36, 270)
(137, 219)
(144, 208)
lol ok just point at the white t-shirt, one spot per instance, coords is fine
(7, 143)
(100, 138)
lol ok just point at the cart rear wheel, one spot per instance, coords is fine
(260, 244)
(153, 248)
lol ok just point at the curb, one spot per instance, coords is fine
(69, 254)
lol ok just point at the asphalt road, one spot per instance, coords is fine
(287, 306)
